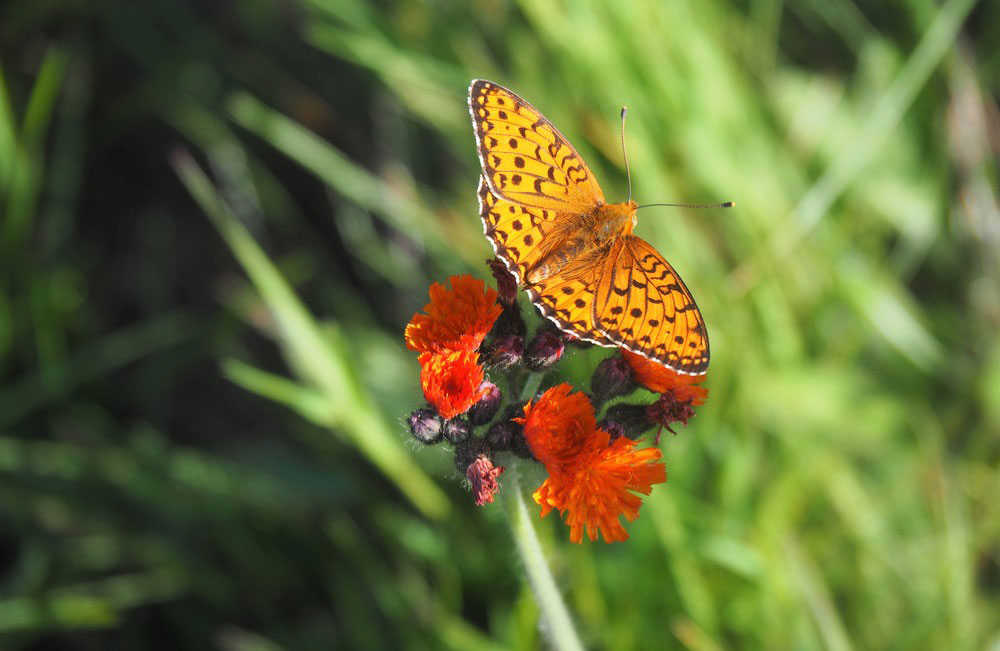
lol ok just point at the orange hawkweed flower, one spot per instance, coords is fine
(557, 425)
(452, 381)
(592, 479)
(658, 378)
(600, 486)
(456, 319)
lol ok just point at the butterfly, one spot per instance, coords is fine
(545, 215)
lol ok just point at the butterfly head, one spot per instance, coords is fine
(620, 218)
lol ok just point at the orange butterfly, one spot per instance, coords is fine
(576, 256)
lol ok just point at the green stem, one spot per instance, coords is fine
(555, 621)
(531, 386)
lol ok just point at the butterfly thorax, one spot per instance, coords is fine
(577, 239)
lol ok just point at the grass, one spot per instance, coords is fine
(217, 220)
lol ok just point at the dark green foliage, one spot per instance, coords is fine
(216, 218)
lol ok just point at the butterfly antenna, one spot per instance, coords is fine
(725, 204)
(628, 174)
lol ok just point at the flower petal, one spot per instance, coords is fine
(600, 487)
(452, 381)
(557, 425)
(658, 378)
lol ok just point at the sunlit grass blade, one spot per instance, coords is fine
(321, 355)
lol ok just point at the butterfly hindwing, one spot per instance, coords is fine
(524, 157)
(567, 300)
(643, 305)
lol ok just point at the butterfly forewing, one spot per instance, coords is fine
(515, 231)
(643, 305)
(524, 157)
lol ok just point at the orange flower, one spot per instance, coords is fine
(557, 425)
(456, 319)
(600, 486)
(452, 381)
(592, 479)
(658, 378)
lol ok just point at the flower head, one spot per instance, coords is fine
(557, 425)
(482, 474)
(658, 378)
(452, 381)
(600, 486)
(456, 319)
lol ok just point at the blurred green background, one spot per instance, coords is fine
(218, 217)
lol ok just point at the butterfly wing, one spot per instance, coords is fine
(515, 231)
(524, 157)
(567, 299)
(517, 234)
(643, 305)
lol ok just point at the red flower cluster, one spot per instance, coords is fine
(596, 472)
(447, 336)
(592, 479)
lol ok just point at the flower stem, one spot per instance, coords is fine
(555, 621)
(531, 386)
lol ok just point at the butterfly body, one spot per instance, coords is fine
(574, 253)
(580, 237)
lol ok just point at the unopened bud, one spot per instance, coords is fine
(456, 430)
(506, 283)
(626, 420)
(506, 351)
(483, 411)
(425, 425)
(613, 428)
(501, 435)
(544, 350)
(612, 377)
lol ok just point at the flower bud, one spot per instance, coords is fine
(425, 425)
(456, 430)
(506, 351)
(483, 411)
(506, 283)
(510, 322)
(612, 377)
(626, 420)
(519, 446)
(502, 434)
(613, 428)
(544, 350)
